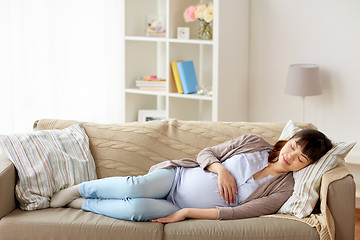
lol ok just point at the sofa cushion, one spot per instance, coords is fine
(48, 161)
(251, 228)
(67, 223)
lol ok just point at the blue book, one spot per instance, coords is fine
(188, 76)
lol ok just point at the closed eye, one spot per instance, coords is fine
(303, 155)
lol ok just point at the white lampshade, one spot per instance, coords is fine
(303, 80)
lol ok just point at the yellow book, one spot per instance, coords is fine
(176, 77)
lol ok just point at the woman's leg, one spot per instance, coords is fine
(134, 209)
(152, 185)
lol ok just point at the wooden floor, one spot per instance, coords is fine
(357, 224)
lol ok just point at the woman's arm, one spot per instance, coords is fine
(217, 153)
(221, 152)
(182, 214)
(226, 182)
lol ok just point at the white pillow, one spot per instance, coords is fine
(289, 130)
(307, 180)
(48, 161)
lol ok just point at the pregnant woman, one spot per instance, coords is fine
(242, 178)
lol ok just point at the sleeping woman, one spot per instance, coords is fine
(242, 178)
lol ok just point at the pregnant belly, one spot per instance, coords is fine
(198, 189)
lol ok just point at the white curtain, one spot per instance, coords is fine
(59, 59)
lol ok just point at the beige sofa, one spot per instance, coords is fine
(130, 149)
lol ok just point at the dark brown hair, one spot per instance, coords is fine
(313, 142)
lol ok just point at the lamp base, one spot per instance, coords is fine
(303, 109)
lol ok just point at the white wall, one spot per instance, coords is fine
(324, 32)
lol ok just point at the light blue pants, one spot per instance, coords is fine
(139, 198)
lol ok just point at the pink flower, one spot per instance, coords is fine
(189, 14)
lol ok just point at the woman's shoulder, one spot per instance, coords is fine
(254, 140)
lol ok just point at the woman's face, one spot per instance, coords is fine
(291, 157)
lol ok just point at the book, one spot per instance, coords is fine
(151, 83)
(188, 76)
(176, 77)
(152, 88)
(150, 78)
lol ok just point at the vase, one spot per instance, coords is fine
(205, 30)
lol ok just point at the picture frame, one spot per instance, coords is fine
(155, 26)
(151, 115)
(183, 33)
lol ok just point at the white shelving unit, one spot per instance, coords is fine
(220, 63)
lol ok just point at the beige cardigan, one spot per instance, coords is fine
(266, 199)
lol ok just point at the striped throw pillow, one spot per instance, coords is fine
(48, 161)
(307, 180)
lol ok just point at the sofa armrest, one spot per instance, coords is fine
(7, 186)
(341, 203)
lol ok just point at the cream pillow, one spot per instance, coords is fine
(289, 130)
(48, 161)
(307, 180)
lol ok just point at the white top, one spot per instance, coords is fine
(196, 188)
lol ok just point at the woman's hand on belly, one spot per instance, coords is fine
(226, 182)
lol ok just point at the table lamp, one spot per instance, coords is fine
(303, 80)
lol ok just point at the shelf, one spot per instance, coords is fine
(192, 41)
(174, 95)
(221, 64)
(146, 92)
(144, 38)
(172, 40)
(191, 96)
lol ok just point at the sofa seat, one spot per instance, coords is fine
(252, 228)
(67, 223)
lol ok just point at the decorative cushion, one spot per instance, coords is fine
(307, 180)
(48, 161)
(289, 130)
